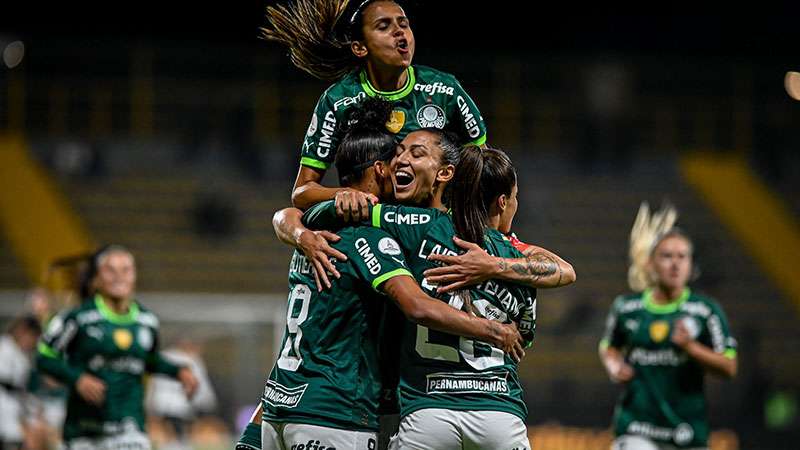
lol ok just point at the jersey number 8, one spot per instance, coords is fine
(295, 315)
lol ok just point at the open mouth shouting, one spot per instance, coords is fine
(403, 180)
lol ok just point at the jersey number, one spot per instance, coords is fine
(478, 355)
(295, 316)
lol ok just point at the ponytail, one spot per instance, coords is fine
(481, 176)
(318, 34)
(308, 27)
(647, 232)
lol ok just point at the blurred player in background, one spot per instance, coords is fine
(16, 348)
(100, 350)
(166, 402)
(368, 46)
(662, 340)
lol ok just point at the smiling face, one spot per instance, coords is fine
(417, 169)
(387, 37)
(116, 275)
(672, 262)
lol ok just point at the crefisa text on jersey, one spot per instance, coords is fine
(435, 88)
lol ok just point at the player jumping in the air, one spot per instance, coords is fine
(367, 46)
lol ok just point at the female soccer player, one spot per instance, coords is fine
(662, 340)
(100, 350)
(455, 393)
(368, 46)
(325, 388)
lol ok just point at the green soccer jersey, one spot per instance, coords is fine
(117, 349)
(665, 400)
(430, 98)
(440, 370)
(327, 373)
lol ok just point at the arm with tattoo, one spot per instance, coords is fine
(539, 268)
(544, 268)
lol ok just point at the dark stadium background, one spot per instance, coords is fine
(705, 70)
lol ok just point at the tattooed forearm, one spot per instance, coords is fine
(538, 266)
(502, 265)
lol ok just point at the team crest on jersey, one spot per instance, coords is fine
(659, 330)
(123, 338)
(396, 121)
(431, 116)
(389, 246)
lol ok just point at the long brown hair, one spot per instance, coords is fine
(481, 176)
(318, 34)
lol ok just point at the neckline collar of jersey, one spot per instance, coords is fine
(411, 80)
(667, 308)
(111, 316)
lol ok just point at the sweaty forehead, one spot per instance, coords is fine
(421, 138)
(376, 10)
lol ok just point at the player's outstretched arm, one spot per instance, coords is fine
(419, 308)
(540, 268)
(315, 245)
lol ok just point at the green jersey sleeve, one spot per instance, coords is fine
(322, 216)
(321, 140)
(717, 333)
(53, 347)
(378, 257)
(612, 335)
(156, 363)
(464, 112)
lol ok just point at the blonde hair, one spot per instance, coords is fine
(648, 230)
(309, 29)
